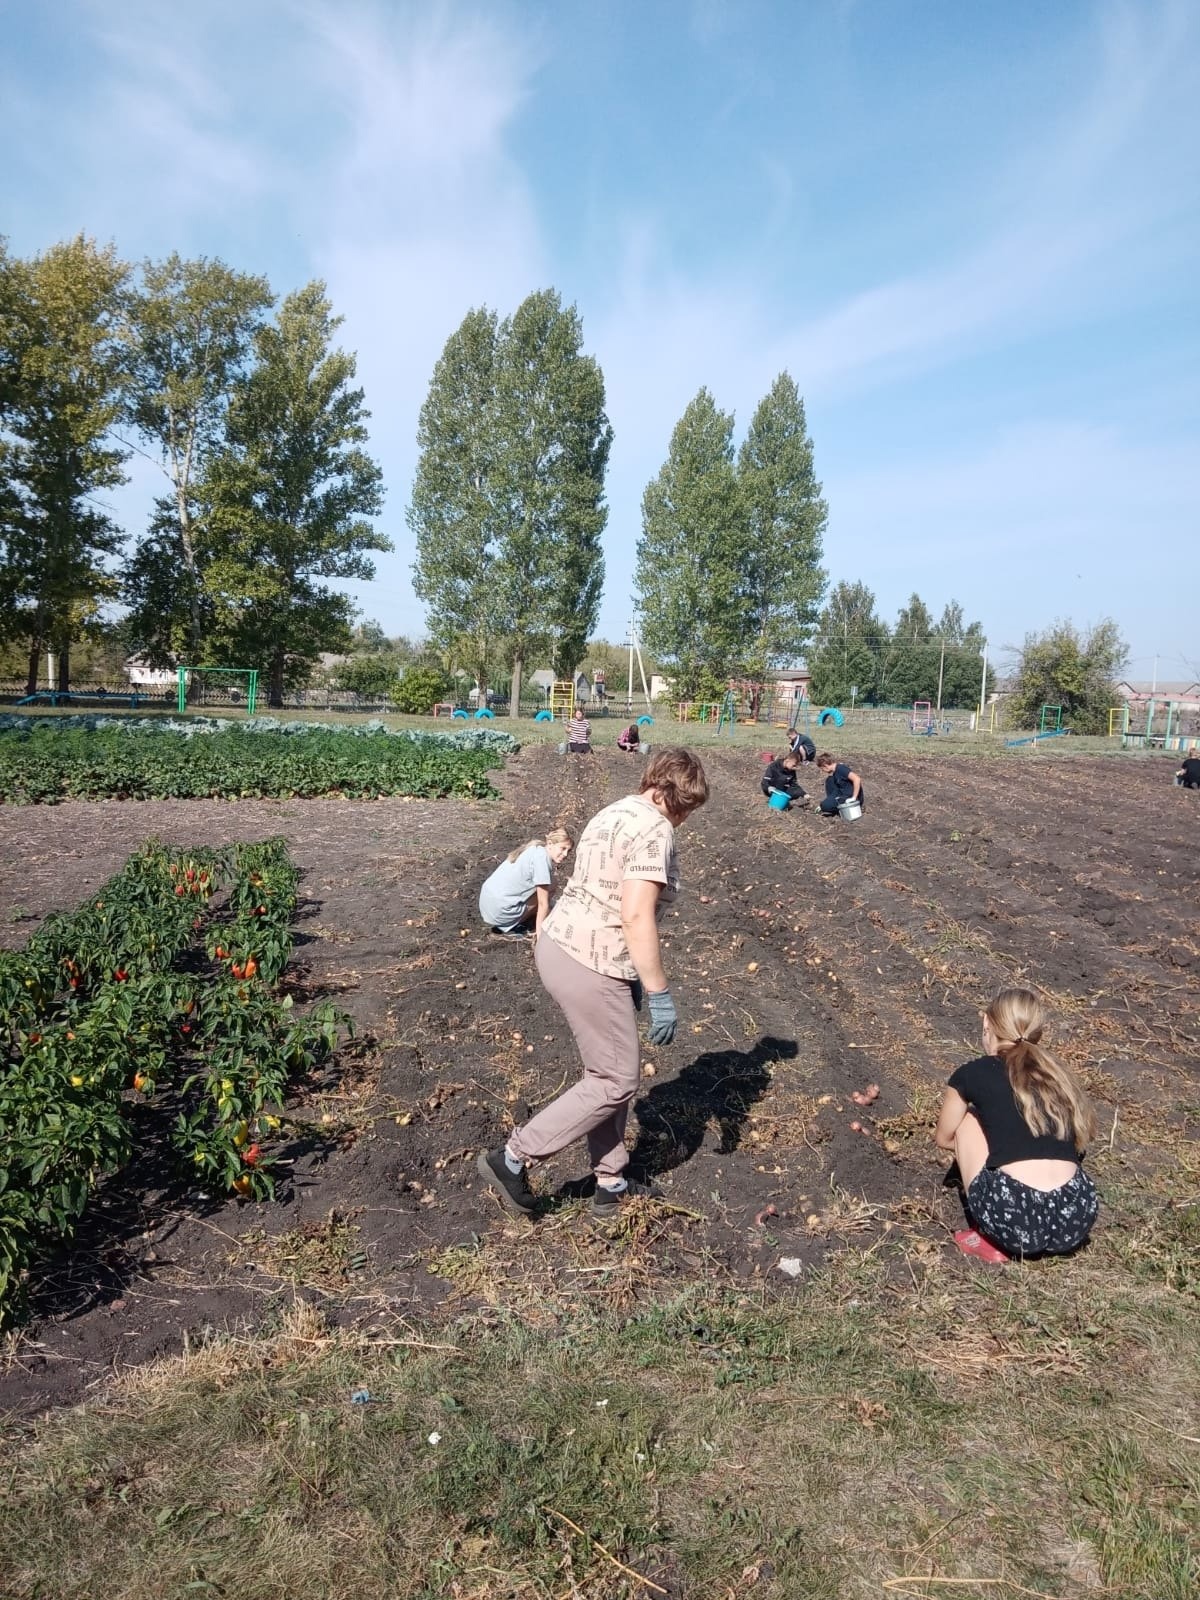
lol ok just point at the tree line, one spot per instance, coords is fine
(249, 410)
(857, 657)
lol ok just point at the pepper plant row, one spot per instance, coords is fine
(163, 984)
(46, 760)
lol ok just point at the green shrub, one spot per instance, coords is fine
(420, 689)
(369, 677)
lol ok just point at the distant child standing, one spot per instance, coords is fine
(518, 892)
(579, 734)
(780, 778)
(1019, 1123)
(840, 784)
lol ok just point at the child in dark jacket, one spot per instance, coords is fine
(840, 784)
(801, 745)
(780, 778)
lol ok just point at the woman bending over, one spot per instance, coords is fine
(1018, 1123)
(599, 959)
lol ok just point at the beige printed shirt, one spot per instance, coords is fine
(629, 839)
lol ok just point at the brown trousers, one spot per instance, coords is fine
(601, 1015)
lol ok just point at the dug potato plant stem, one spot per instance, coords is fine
(163, 983)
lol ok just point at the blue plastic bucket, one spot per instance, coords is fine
(778, 801)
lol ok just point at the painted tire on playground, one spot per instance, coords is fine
(484, 712)
(645, 722)
(461, 714)
(831, 714)
(544, 716)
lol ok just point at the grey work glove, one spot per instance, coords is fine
(663, 1017)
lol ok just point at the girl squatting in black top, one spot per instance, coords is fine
(1018, 1124)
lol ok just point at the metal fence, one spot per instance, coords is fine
(94, 695)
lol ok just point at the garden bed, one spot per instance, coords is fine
(46, 760)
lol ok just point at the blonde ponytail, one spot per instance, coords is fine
(555, 836)
(1048, 1095)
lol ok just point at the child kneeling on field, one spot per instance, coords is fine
(515, 900)
(579, 734)
(1018, 1123)
(840, 784)
(780, 778)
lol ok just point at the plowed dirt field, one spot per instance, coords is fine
(809, 959)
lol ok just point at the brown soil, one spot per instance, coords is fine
(809, 959)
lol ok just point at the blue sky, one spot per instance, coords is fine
(968, 230)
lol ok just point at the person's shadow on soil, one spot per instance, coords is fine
(720, 1086)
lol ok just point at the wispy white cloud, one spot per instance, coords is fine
(162, 121)
(429, 213)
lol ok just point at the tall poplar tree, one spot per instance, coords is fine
(60, 395)
(786, 523)
(456, 511)
(508, 501)
(692, 556)
(189, 337)
(285, 502)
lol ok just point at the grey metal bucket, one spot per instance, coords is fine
(850, 810)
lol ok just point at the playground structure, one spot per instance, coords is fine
(1049, 727)
(193, 681)
(1167, 724)
(562, 699)
(750, 702)
(925, 720)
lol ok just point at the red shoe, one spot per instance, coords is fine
(974, 1244)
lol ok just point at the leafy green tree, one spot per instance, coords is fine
(962, 678)
(850, 647)
(1065, 667)
(692, 556)
(909, 665)
(60, 395)
(420, 689)
(557, 437)
(786, 517)
(370, 636)
(456, 513)
(372, 677)
(285, 500)
(508, 501)
(189, 336)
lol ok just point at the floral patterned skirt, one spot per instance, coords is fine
(1032, 1222)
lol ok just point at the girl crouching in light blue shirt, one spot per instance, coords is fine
(518, 893)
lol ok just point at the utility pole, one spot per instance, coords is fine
(983, 691)
(635, 649)
(941, 675)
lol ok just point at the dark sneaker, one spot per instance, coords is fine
(510, 933)
(607, 1202)
(512, 1187)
